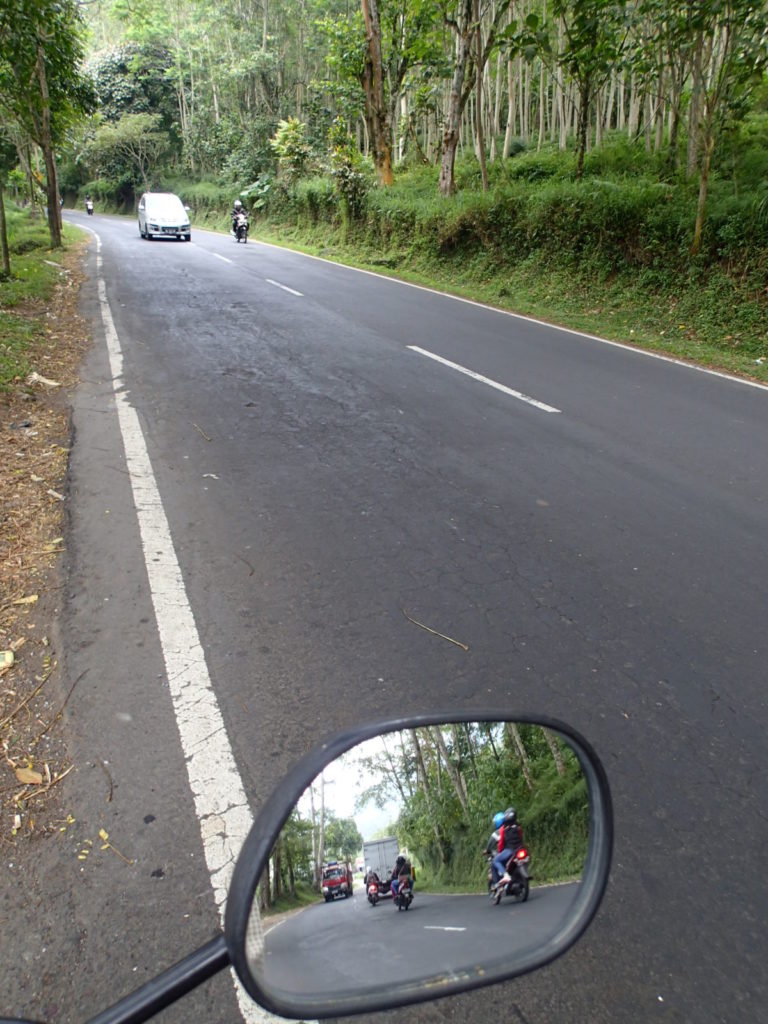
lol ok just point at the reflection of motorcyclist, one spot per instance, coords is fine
(401, 873)
(492, 846)
(371, 876)
(510, 839)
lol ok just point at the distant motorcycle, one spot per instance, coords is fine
(89, 207)
(240, 228)
(404, 897)
(373, 893)
(519, 878)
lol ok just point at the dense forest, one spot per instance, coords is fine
(613, 137)
(446, 783)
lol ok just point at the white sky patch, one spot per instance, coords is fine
(345, 780)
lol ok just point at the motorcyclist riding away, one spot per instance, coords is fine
(370, 876)
(402, 872)
(506, 839)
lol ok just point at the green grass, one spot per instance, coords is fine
(34, 275)
(305, 895)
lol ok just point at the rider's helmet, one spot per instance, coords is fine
(238, 205)
(510, 816)
(498, 819)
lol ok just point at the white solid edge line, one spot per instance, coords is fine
(485, 380)
(625, 346)
(283, 286)
(219, 796)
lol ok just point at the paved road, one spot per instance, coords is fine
(338, 943)
(606, 563)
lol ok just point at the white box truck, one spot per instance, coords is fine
(380, 855)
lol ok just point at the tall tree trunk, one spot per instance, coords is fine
(542, 105)
(635, 99)
(373, 89)
(621, 117)
(509, 131)
(422, 770)
(291, 874)
(514, 734)
(479, 95)
(583, 129)
(453, 772)
(397, 774)
(6, 272)
(694, 111)
(316, 868)
(321, 837)
(709, 148)
(264, 888)
(456, 101)
(277, 880)
(496, 127)
(45, 141)
(557, 754)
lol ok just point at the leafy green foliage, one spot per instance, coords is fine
(134, 79)
(347, 170)
(290, 146)
(342, 839)
(131, 146)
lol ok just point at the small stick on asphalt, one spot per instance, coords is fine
(23, 704)
(202, 432)
(442, 636)
(59, 713)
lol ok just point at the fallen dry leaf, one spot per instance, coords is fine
(29, 777)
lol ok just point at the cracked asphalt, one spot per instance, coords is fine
(607, 565)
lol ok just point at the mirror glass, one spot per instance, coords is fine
(436, 812)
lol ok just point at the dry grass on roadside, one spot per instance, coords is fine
(34, 450)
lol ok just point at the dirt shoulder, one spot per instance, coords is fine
(35, 434)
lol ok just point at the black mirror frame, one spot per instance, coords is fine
(266, 829)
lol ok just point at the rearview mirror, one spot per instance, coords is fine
(410, 807)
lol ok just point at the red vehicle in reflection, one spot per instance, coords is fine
(337, 880)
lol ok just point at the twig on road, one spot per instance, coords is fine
(434, 632)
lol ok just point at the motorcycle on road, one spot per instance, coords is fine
(240, 228)
(516, 883)
(404, 896)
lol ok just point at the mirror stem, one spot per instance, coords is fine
(169, 986)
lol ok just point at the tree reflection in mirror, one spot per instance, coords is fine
(325, 927)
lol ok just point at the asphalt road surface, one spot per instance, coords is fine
(270, 465)
(338, 944)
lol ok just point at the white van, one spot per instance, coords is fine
(163, 214)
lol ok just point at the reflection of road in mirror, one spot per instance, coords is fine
(352, 947)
